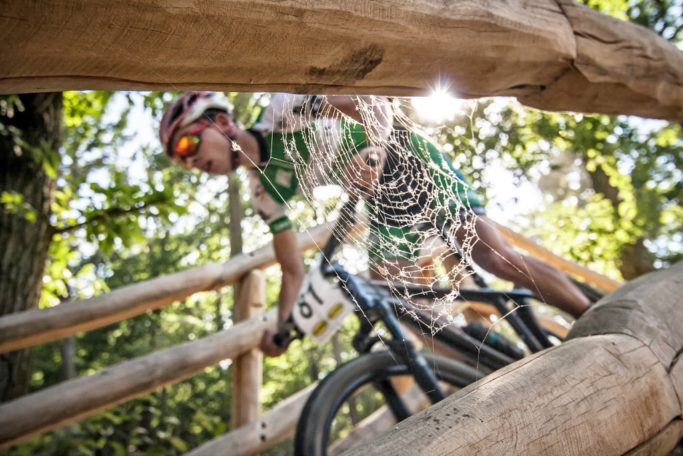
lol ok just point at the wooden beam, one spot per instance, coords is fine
(612, 54)
(603, 395)
(260, 435)
(247, 370)
(613, 388)
(648, 308)
(25, 329)
(74, 400)
(551, 55)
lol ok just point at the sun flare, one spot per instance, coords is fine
(438, 107)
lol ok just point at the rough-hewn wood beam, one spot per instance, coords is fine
(614, 388)
(555, 55)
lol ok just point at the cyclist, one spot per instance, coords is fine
(197, 131)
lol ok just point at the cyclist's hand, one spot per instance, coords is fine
(268, 345)
(362, 172)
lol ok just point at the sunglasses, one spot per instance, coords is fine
(188, 145)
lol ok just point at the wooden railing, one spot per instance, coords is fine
(76, 399)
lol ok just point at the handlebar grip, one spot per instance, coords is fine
(287, 331)
(282, 340)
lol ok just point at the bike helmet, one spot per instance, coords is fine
(187, 109)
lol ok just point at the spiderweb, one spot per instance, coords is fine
(416, 204)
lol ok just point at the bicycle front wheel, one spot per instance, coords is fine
(349, 405)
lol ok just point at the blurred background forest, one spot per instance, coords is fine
(92, 204)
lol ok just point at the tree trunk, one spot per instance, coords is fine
(25, 229)
(636, 260)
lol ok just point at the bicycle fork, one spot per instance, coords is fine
(422, 373)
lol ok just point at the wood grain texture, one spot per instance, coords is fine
(649, 308)
(661, 444)
(676, 374)
(614, 57)
(601, 395)
(247, 368)
(76, 399)
(552, 56)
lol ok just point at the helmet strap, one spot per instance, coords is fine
(234, 159)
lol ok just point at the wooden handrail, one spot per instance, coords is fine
(76, 399)
(593, 278)
(24, 329)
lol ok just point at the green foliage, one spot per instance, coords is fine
(13, 203)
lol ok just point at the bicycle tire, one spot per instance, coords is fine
(312, 433)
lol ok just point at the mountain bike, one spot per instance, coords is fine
(373, 373)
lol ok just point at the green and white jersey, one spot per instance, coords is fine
(299, 155)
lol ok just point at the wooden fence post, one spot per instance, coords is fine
(247, 370)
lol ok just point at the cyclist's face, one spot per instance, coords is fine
(203, 145)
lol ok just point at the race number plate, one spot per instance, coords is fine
(322, 306)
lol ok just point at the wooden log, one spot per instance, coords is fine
(614, 387)
(605, 62)
(648, 308)
(76, 399)
(662, 443)
(603, 395)
(555, 56)
(260, 435)
(25, 329)
(247, 370)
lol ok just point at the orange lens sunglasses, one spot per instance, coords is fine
(188, 145)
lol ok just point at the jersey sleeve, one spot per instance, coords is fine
(283, 113)
(273, 213)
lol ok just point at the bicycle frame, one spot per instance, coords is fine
(375, 304)
(520, 318)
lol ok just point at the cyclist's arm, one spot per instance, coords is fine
(287, 254)
(378, 121)
(274, 214)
